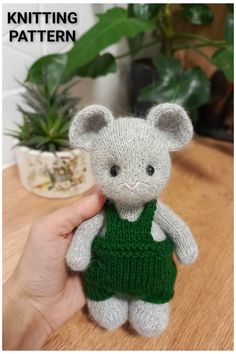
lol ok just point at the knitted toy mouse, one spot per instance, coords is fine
(126, 251)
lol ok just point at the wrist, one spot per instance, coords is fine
(24, 327)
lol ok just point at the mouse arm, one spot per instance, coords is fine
(79, 252)
(186, 248)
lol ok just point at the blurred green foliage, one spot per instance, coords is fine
(87, 59)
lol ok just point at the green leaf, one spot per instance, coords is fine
(49, 71)
(229, 29)
(197, 14)
(101, 65)
(223, 59)
(189, 88)
(111, 27)
(83, 59)
(144, 11)
(37, 140)
(167, 66)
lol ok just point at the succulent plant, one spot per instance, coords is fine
(46, 119)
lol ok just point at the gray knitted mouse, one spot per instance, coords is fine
(126, 251)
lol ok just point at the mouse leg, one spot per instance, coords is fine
(148, 319)
(110, 314)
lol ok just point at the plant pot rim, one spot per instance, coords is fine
(34, 152)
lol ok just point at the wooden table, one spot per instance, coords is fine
(201, 191)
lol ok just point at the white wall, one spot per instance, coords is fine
(17, 58)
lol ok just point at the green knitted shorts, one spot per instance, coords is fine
(141, 271)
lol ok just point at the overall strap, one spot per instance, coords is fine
(121, 229)
(111, 214)
(147, 215)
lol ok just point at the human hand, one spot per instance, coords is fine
(41, 287)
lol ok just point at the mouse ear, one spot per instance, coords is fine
(173, 123)
(86, 125)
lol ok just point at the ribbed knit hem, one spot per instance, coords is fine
(97, 294)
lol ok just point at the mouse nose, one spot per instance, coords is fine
(132, 186)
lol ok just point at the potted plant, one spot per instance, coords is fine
(157, 79)
(167, 78)
(47, 164)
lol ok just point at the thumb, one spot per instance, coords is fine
(64, 220)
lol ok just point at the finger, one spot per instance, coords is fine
(64, 220)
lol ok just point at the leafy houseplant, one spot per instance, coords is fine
(169, 81)
(47, 164)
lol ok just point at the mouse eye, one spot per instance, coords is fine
(114, 170)
(150, 170)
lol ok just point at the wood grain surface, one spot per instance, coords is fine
(200, 190)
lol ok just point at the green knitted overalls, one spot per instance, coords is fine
(128, 262)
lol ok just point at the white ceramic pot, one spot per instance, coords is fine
(61, 175)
